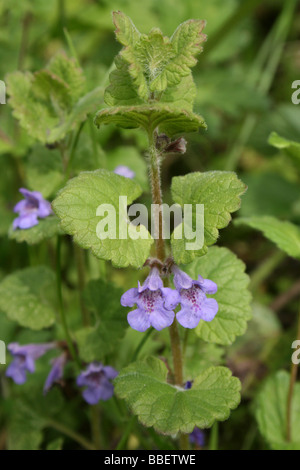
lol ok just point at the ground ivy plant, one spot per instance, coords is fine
(196, 295)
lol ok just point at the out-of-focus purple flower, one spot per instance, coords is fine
(195, 306)
(154, 301)
(197, 437)
(123, 170)
(24, 357)
(96, 378)
(30, 208)
(56, 372)
(188, 384)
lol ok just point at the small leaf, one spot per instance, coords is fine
(186, 42)
(171, 409)
(227, 271)
(77, 204)
(284, 234)
(24, 297)
(219, 192)
(46, 228)
(104, 300)
(271, 412)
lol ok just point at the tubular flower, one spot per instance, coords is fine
(30, 208)
(155, 304)
(56, 372)
(195, 306)
(96, 378)
(24, 359)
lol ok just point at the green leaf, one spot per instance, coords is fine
(186, 42)
(171, 120)
(47, 103)
(103, 299)
(44, 171)
(24, 297)
(271, 412)
(46, 228)
(284, 234)
(290, 147)
(227, 271)
(171, 409)
(219, 192)
(152, 84)
(25, 429)
(270, 194)
(77, 204)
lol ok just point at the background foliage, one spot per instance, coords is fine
(243, 81)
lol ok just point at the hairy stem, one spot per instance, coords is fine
(160, 249)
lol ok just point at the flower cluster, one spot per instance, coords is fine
(31, 208)
(156, 303)
(96, 378)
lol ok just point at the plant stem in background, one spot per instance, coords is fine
(80, 266)
(72, 434)
(61, 304)
(293, 378)
(265, 269)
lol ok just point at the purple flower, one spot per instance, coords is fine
(123, 170)
(188, 385)
(197, 437)
(56, 372)
(97, 380)
(195, 306)
(24, 357)
(30, 208)
(154, 301)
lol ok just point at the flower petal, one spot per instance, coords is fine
(44, 209)
(153, 281)
(208, 286)
(209, 309)
(26, 221)
(130, 297)
(171, 298)
(161, 318)
(92, 395)
(188, 318)
(139, 320)
(110, 372)
(106, 390)
(181, 279)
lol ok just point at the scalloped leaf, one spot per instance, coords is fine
(171, 120)
(219, 192)
(234, 299)
(76, 205)
(171, 409)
